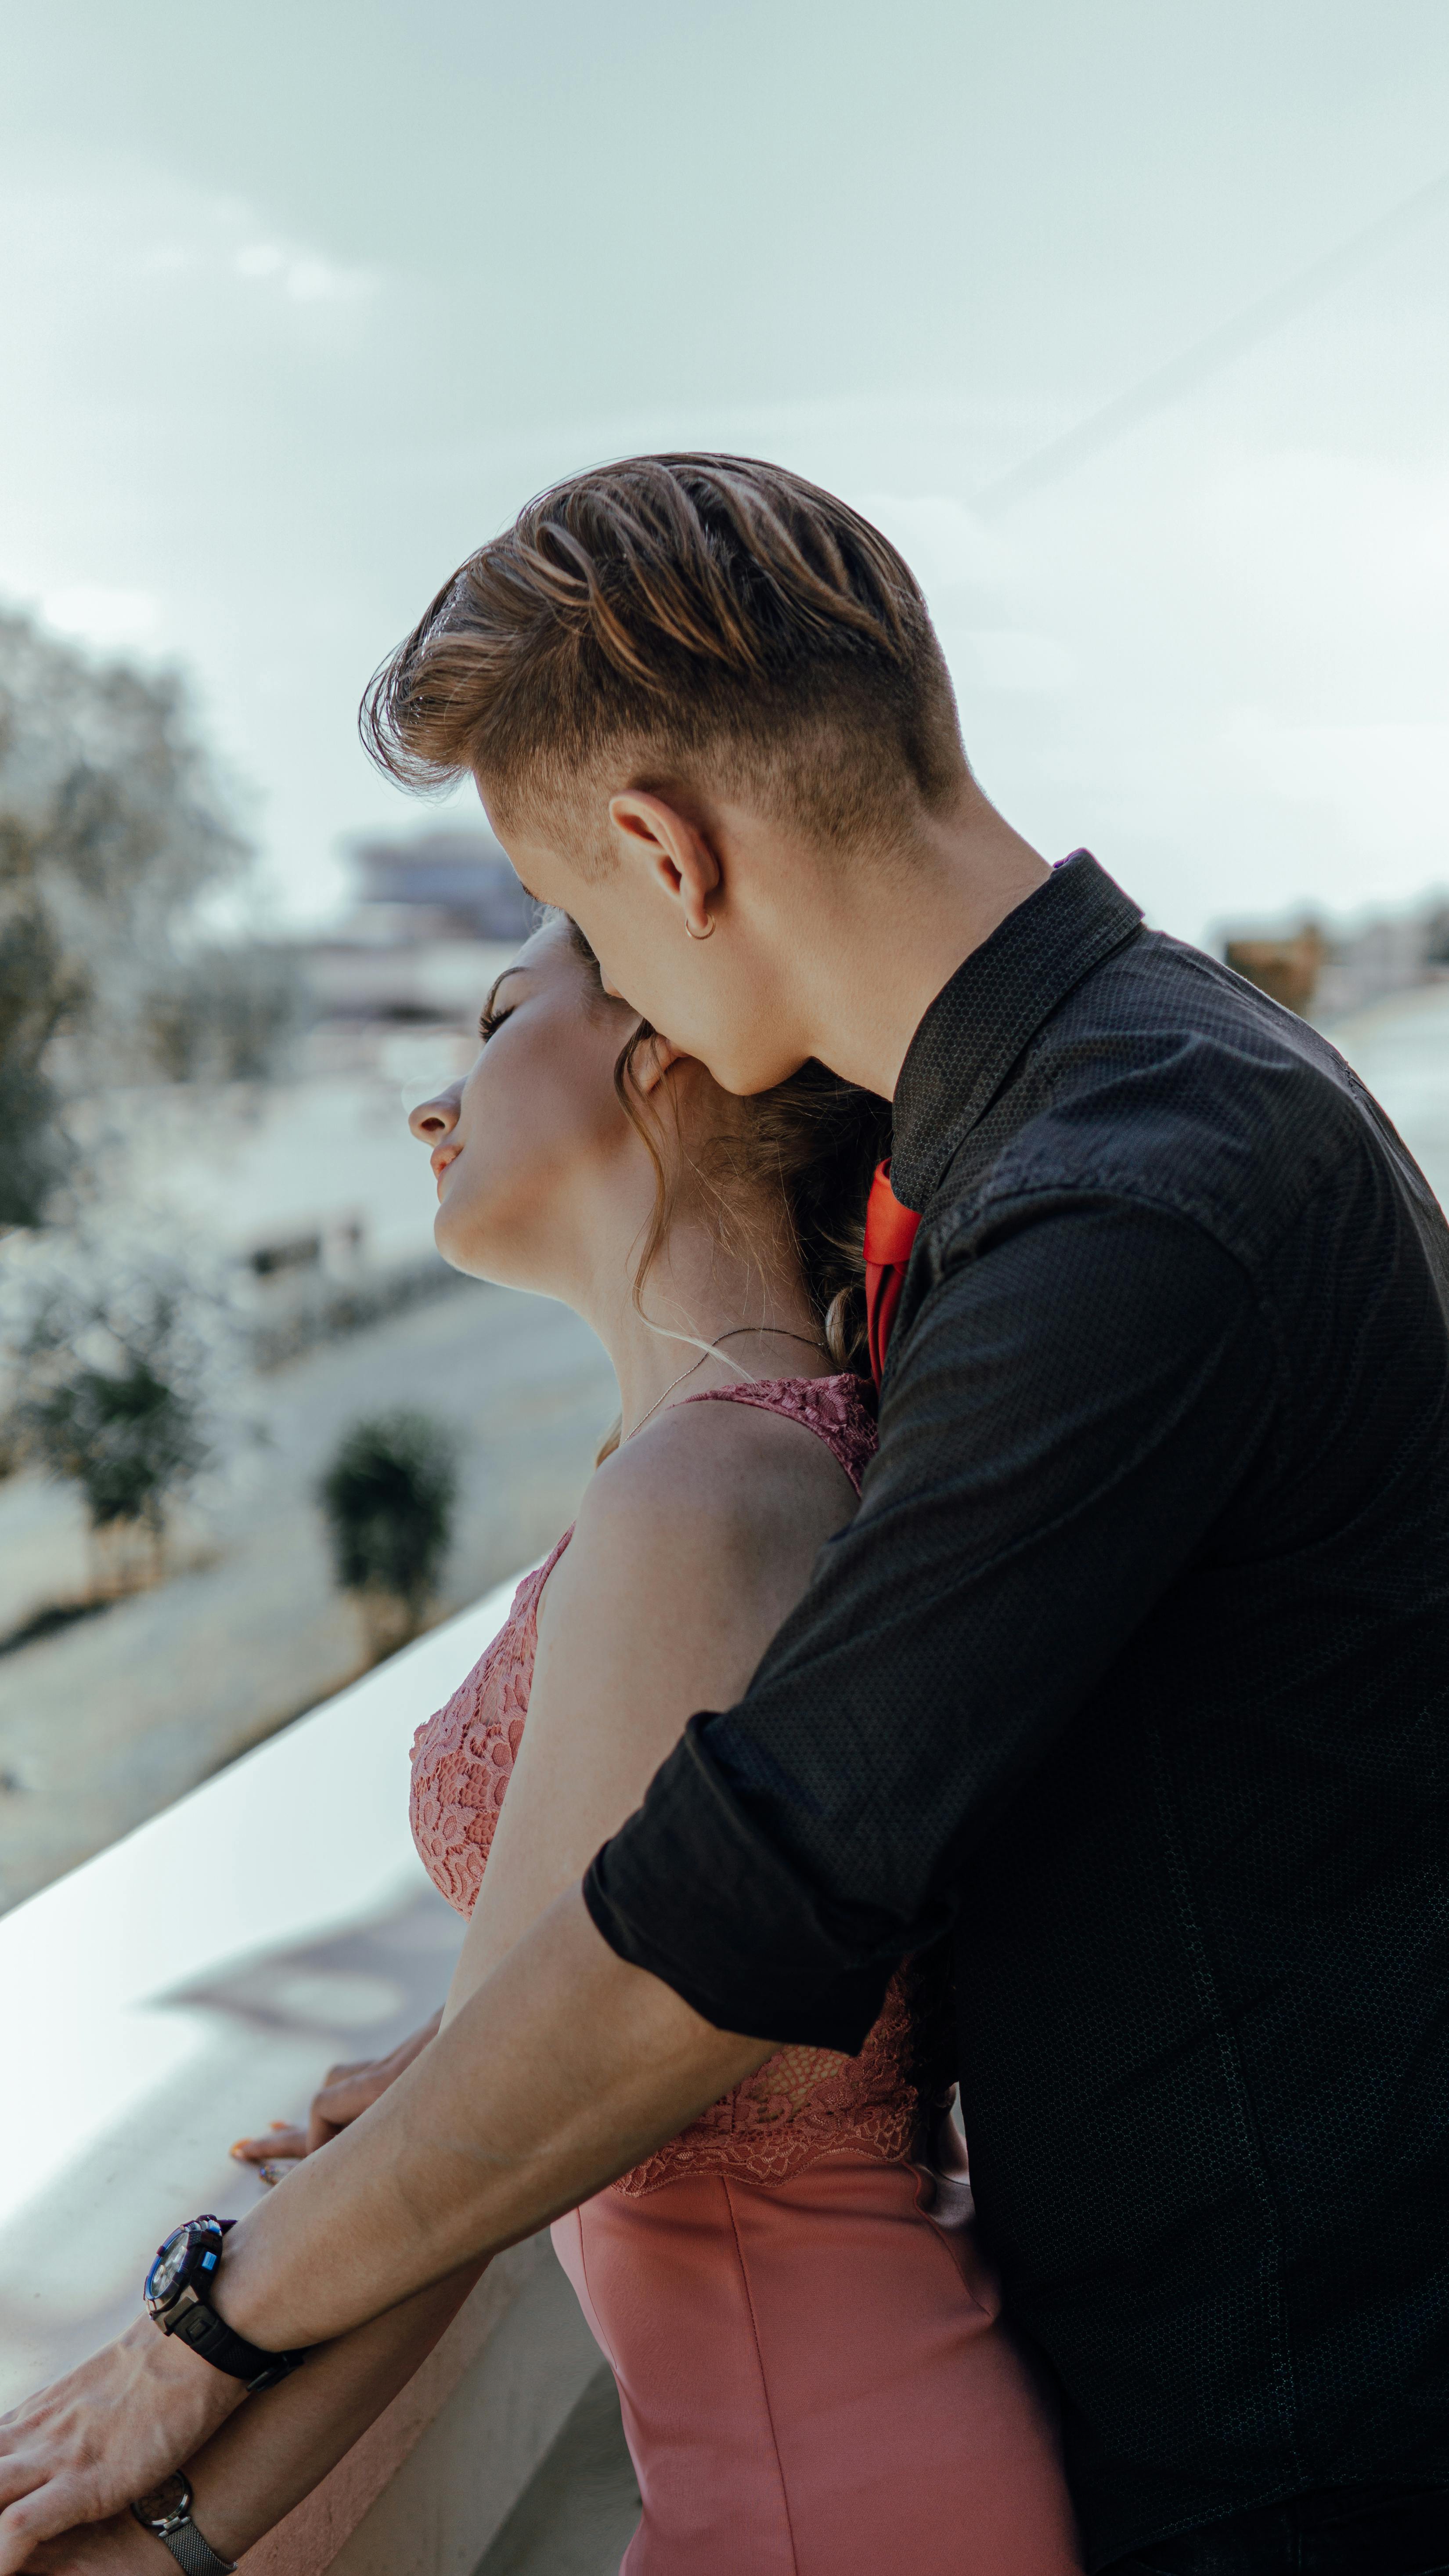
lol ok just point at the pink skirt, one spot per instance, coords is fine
(815, 2380)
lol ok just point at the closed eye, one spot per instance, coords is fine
(490, 1018)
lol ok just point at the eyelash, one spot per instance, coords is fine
(489, 1024)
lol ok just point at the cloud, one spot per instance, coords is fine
(1011, 657)
(97, 615)
(964, 568)
(120, 224)
(305, 276)
(947, 547)
(1382, 783)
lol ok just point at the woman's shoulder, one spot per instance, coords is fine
(838, 1411)
(737, 1450)
(695, 1503)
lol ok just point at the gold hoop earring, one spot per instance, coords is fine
(699, 934)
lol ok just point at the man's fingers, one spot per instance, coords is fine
(96, 2549)
(108, 2430)
(40, 2515)
(19, 2473)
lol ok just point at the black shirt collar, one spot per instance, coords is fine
(993, 1006)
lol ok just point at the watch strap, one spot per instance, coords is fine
(177, 2532)
(209, 2335)
(192, 2552)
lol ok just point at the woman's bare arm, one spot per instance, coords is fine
(566, 2067)
(616, 1677)
(558, 2065)
(268, 2457)
(688, 1553)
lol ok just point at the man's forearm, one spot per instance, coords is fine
(566, 2067)
(561, 2071)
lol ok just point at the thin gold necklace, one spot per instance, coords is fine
(732, 1335)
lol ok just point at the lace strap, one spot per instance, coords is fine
(835, 1408)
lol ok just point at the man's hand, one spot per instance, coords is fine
(346, 2092)
(118, 2547)
(113, 2429)
(561, 2070)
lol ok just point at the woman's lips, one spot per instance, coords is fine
(442, 1158)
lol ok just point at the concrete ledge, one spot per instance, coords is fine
(196, 1980)
(483, 2445)
(427, 2489)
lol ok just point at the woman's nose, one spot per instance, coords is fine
(434, 1119)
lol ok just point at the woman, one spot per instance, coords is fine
(811, 2368)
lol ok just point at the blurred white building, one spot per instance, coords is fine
(311, 1187)
(435, 917)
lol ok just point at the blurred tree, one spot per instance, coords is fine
(36, 993)
(388, 1497)
(113, 1396)
(226, 1015)
(127, 1441)
(113, 827)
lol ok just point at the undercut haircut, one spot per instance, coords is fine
(679, 619)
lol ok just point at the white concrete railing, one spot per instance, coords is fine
(194, 1981)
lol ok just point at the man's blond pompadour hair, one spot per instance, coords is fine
(678, 619)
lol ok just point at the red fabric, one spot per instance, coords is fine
(890, 1231)
(816, 2379)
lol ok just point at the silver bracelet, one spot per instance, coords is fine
(166, 2514)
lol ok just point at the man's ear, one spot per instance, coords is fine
(678, 854)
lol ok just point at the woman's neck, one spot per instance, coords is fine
(708, 1320)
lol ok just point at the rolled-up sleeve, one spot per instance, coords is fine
(1071, 1406)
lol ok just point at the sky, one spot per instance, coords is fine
(301, 302)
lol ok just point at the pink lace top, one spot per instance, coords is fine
(804, 2103)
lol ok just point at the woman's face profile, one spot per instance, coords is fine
(523, 1143)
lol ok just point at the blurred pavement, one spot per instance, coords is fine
(114, 1717)
(1400, 1049)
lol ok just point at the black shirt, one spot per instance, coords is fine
(1132, 1673)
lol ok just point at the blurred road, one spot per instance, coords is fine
(1400, 1048)
(109, 1720)
(114, 1717)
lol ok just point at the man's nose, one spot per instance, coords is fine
(434, 1119)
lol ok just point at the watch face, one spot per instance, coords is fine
(168, 2272)
(170, 2498)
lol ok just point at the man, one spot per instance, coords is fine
(1131, 1675)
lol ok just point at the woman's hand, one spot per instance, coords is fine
(347, 2091)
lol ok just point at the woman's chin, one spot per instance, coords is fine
(452, 1241)
(462, 1250)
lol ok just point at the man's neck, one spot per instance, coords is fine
(891, 938)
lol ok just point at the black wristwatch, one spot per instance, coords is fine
(166, 2513)
(176, 2286)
